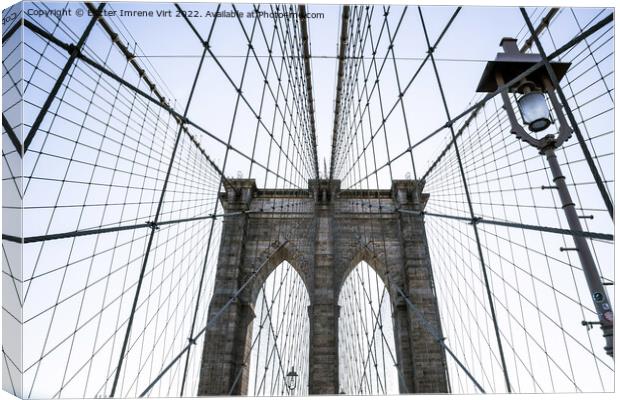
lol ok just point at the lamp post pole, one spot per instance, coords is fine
(510, 66)
(593, 279)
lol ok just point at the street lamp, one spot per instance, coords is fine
(291, 379)
(535, 113)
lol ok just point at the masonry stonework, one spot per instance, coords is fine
(323, 241)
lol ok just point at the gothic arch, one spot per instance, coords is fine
(382, 338)
(268, 321)
(364, 253)
(285, 252)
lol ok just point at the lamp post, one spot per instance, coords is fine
(290, 380)
(536, 115)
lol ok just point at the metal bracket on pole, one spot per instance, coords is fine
(569, 249)
(590, 324)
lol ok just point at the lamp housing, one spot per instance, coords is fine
(291, 379)
(525, 74)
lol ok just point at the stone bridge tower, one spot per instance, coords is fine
(323, 262)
